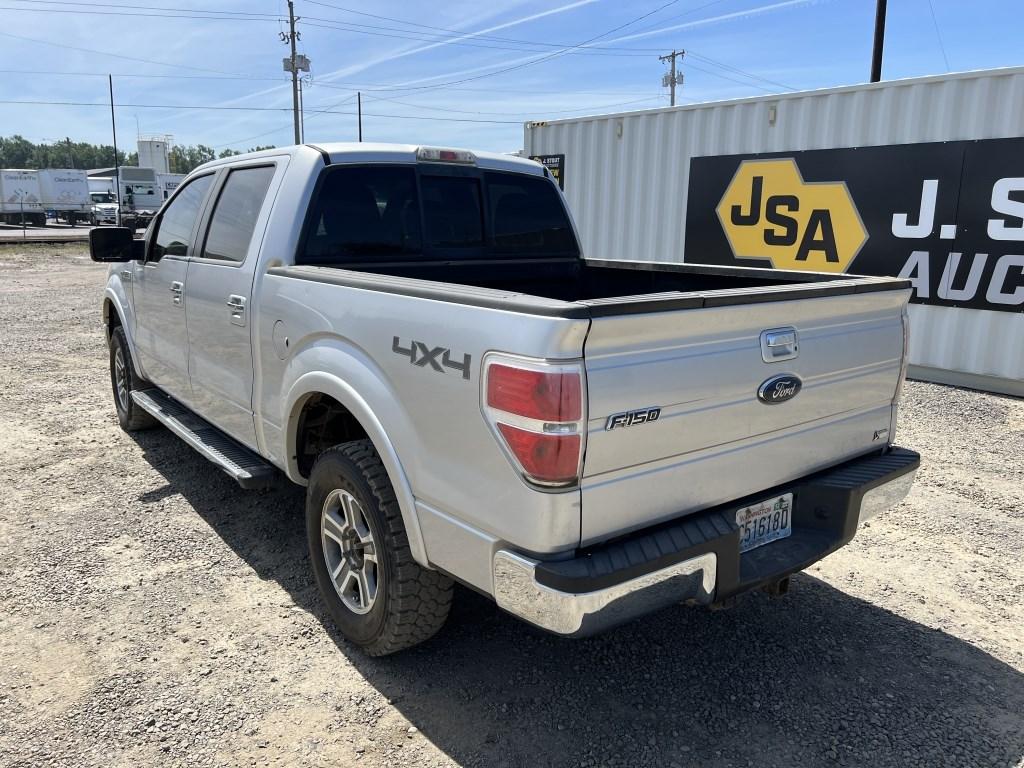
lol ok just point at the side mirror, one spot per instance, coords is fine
(115, 244)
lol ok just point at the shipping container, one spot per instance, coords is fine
(922, 177)
(20, 198)
(65, 191)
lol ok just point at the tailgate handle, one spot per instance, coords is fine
(779, 344)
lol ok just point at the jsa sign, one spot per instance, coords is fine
(948, 216)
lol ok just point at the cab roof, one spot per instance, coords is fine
(372, 152)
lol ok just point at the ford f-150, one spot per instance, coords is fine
(414, 334)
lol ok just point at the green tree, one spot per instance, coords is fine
(184, 158)
(18, 152)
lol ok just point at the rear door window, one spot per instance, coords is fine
(234, 217)
(365, 213)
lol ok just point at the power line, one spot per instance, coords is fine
(65, 46)
(193, 15)
(128, 75)
(523, 113)
(685, 13)
(88, 4)
(247, 139)
(454, 33)
(938, 35)
(283, 80)
(221, 107)
(310, 21)
(530, 63)
(694, 55)
(724, 76)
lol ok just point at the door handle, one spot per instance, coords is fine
(177, 287)
(236, 305)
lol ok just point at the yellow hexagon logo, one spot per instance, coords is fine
(770, 212)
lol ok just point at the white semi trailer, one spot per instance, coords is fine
(65, 191)
(20, 197)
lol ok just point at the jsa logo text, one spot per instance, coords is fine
(769, 212)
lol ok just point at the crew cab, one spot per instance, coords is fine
(414, 335)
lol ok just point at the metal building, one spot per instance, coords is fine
(154, 152)
(653, 186)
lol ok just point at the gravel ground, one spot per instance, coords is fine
(151, 613)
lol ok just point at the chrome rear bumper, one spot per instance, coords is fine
(696, 559)
(517, 591)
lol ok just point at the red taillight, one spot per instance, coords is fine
(534, 394)
(536, 410)
(547, 458)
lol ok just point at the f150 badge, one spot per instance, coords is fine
(422, 355)
(779, 389)
(632, 418)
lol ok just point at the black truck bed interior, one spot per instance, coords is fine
(578, 280)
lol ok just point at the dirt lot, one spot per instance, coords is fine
(153, 614)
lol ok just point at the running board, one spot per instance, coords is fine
(237, 461)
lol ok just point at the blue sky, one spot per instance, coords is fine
(444, 61)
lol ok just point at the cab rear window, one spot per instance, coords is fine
(385, 213)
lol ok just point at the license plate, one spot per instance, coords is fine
(765, 522)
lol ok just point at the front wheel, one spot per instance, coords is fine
(124, 381)
(378, 595)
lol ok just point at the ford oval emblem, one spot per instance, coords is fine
(779, 389)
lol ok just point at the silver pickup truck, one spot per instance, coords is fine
(413, 334)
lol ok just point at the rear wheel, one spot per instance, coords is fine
(124, 381)
(378, 595)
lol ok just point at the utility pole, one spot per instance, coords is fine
(302, 116)
(876, 51)
(294, 63)
(294, 71)
(113, 130)
(672, 79)
(359, 110)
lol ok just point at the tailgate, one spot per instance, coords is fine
(714, 440)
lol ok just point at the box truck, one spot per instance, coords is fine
(65, 191)
(168, 182)
(20, 198)
(140, 197)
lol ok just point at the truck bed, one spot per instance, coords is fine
(578, 288)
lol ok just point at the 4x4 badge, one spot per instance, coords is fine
(421, 355)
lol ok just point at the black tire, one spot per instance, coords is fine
(129, 415)
(410, 603)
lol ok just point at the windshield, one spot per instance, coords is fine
(102, 197)
(377, 213)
